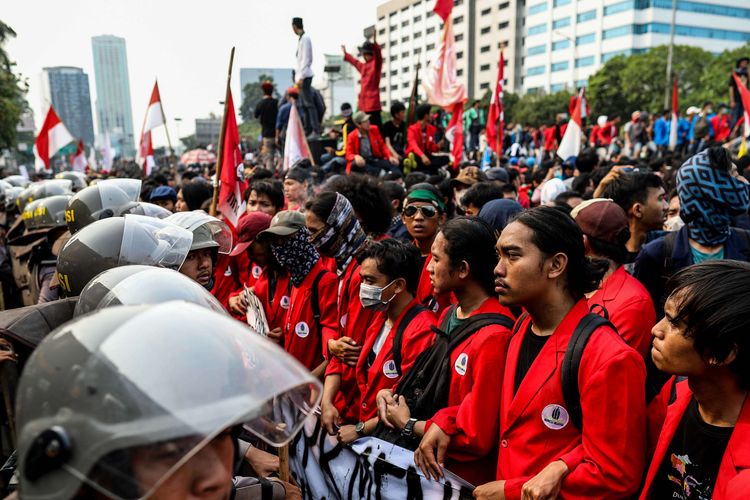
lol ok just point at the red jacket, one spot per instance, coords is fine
(733, 480)
(602, 136)
(607, 459)
(630, 309)
(354, 320)
(379, 149)
(550, 136)
(226, 280)
(302, 338)
(383, 374)
(369, 73)
(471, 417)
(421, 142)
(275, 307)
(720, 123)
(426, 294)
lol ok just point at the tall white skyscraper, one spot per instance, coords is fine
(113, 110)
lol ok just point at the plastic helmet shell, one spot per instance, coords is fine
(100, 201)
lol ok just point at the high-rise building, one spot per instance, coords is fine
(569, 40)
(410, 32)
(67, 89)
(113, 111)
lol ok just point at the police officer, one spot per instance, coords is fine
(77, 178)
(100, 201)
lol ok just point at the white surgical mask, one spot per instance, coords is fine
(371, 297)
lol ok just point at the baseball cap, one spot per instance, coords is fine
(248, 228)
(360, 117)
(601, 218)
(468, 177)
(498, 174)
(692, 110)
(163, 193)
(285, 223)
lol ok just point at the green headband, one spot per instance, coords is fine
(426, 195)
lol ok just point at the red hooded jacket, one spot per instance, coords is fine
(369, 72)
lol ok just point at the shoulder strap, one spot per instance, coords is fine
(572, 363)
(520, 322)
(475, 323)
(669, 241)
(399, 337)
(316, 298)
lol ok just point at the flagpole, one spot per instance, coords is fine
(166, 131)
(220, 148)
(413, 97)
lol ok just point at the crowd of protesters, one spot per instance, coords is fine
(542, 327)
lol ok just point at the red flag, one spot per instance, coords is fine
(52, 137)
(79, 160)
(570, 145)
(154, 118)
(233, 183)
(745, 96)
(675, 117)
(495, 116)
(443, 8)
(295, 144)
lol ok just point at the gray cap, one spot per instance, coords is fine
(498, 174)
(285, 223)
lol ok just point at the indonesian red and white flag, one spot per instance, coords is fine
(675, 117)
(108, 155)
(233, 182)
(443, 88)
(79, 160)
(295, 145)
(496, 116)
(52, 137)
(154, 118)
(443, 8)
(745, 96)
(570, 145)
(92, 159)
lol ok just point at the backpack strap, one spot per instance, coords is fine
(572, 363)
(475, 323)
(316, 297)
(399, 337)
(520, 322)
(443, 328)
(669, 241)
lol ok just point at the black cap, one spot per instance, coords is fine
(297, 21)
(367, 47)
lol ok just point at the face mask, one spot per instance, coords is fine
(371, 297)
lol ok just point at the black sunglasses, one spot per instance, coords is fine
(427, 211)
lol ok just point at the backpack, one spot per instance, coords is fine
(426, 386)
(702, 127)
(398, 339)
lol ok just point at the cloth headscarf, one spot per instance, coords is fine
(499, 212)
(709, 197)
(344, 238)
(297, 255)
(427, 196)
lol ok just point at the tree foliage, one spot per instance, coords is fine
(12, 91)
(252, 94)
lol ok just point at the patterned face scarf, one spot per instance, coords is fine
(343, 238)
(296, 255)
(709, 197)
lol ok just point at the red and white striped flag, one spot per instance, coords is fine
(675, 117)
(745, 97)
(570, 145)
(52, 137)
(79, 160)
(495, 116)
(295, 145)
(154, 118)
(233, 182)
(443, 8)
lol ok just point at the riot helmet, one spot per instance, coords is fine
(100, 201)
(115, 391)
(17, 180)
(50, 187)
(46, 212)
(77, 178)
(208, 231)
(137, 285)
(11, 195)
(142, 208)
(120, 241)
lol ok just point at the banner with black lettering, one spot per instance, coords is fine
(369, 468)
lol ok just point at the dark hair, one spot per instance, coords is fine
(480, 193)
(587, 160)
(720, 158)
(508, 189)
(395, 191)
(322, 204)
(368, 199)
(260, 174)
(397, 107)
(473, 240)
(581, 183)
(554, 232)
(423, 110)
(396, 259)
(195, 192)
(414, 178)
(617, 252)
(631, 188)
(272, 189)
(712, 301)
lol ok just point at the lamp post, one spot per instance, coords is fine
(332, 70)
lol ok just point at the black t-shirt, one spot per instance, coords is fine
(735, 90)
(266, 111)
(397, 135)
(691, 464)
(530, 348)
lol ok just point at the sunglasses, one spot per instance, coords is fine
(426, 210)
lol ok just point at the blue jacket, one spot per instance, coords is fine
(282, 118)
(691, 133)
(649, 265)
(683, 128)
(661, 132)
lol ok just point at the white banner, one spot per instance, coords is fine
(368, 469)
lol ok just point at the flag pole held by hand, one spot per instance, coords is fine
(220, 148)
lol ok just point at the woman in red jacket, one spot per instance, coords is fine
(703, 450)
(465, 430)
(369, 72)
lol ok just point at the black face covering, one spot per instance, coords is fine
(297, 255)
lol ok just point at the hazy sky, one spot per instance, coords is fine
(184, 43)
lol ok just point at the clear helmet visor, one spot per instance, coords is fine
(207, 231)
(153, 242)
(144, 390)
(50, 187)
(115, 192)
(143, 208)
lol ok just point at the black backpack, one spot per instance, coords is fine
(426, 386)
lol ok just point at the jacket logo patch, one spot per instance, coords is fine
(256, 271)
(284, 303)
(343, 320)
(302, 330)
(462, 362)
(389, 369)
(555, 417)
(228, 271)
